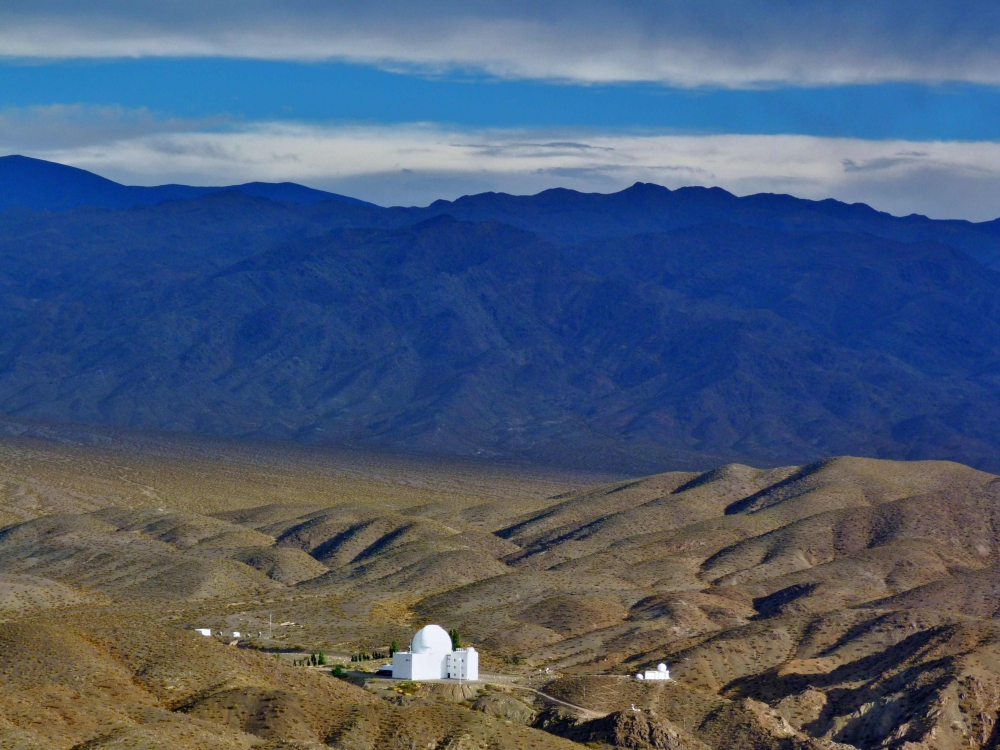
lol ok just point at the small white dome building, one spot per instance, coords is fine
(431, 657)
(660, 673)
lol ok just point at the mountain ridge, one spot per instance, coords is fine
(638, 209)
(648, 208)
(41, 185)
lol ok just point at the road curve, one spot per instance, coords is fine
(586, 712)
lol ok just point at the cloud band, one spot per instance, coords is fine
(683, 42)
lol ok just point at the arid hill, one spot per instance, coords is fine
(846, 602)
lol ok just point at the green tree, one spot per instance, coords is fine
(338, 671)
(456, 642)
(393, 647)
(321, 659)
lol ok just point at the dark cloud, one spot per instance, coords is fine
(684, 42)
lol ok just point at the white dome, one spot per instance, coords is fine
(431, 638)
(661, 667)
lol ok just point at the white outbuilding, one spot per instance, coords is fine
(431, 657)
(660, 673)
(204, 631)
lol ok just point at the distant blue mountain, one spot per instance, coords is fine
(568, 216)
(44, 185)
(642, 330)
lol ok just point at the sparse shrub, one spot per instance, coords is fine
(407, 687)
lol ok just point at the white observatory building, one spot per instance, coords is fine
(431, 657)
(660, 673)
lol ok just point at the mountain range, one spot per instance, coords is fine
(642, 330)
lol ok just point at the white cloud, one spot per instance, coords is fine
(416, 164)
(682, 42)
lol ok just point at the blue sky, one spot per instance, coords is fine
(241, 90)
(897, 105)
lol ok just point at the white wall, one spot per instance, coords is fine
(463, 664)
(421, 666)
(471, 664)
(428, 665)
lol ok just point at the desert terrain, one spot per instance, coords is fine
(849, 602)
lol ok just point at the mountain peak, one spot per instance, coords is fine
(646, 187)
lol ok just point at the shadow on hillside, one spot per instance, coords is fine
(872, 683)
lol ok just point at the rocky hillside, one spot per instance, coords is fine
(846, 603)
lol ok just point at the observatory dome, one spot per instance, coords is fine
(431, 638)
